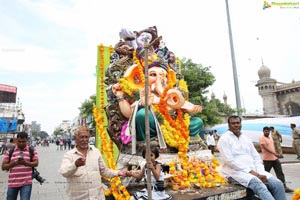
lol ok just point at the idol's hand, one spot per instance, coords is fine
(117, 90)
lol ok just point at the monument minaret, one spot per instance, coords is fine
(267, 90)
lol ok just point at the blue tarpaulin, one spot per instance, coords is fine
(8, 125)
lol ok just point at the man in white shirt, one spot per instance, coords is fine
(242, 162)
(210, 141)
(83, 167)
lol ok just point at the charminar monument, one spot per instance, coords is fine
(278, 98)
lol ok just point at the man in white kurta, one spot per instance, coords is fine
(242, 162)
(211, 143)
(83, 167)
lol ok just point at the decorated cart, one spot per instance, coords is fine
(142, 100)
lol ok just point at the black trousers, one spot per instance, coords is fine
(212, 149)
(276, 165)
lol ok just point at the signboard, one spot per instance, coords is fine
(8, 93)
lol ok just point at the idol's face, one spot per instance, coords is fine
(157, 76)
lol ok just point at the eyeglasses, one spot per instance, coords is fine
(234, 122)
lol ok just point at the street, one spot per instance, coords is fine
(55, 186)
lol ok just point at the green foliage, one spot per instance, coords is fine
(86, 109)
(34, 133)
(199, 78)
(41, 134)
(87, 106)
(56, 132)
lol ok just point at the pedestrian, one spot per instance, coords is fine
(216, 135)
(33, 143)
(210, 141)
(61, 144)
(4, 147)
(1, 145)
(10, 144)
(242, 163)
(157, 177)
(57, 143)
(20, 169)
(65, 143)
(270, 156)
(83, 167)
(296, 140)
(277, 138)
(72, 143)
(69, 143)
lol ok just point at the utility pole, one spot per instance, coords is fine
(235, 78)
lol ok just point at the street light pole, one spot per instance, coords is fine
(236, 82)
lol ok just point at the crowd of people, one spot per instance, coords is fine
(64, 143)
(83, 165)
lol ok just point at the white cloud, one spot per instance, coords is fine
(22, 58)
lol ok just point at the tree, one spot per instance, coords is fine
(199, 78)
(57, 131)
(43, 134)
(34, 133)
(86, 109)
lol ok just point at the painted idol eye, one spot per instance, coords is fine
(153, 74)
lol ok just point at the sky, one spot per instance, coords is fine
(48, 49)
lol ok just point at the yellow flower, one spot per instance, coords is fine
(296, 194)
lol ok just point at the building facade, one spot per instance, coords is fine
(278, 98)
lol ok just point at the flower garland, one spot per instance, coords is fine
(135, 79)
(296, 194)
(101, 85)
(140, 67)
(189, 172)
(118, 191)
(182, 85)
(195, 173)
(175, 131)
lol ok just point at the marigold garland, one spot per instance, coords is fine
(118, 191)
(128, 84)
(183, 86)
(176, 134)
(195, 173)
(296, 194)
(140, 67)
(175, 131)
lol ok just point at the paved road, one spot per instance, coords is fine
(55, 186)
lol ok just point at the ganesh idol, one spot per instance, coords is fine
(169, 109)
